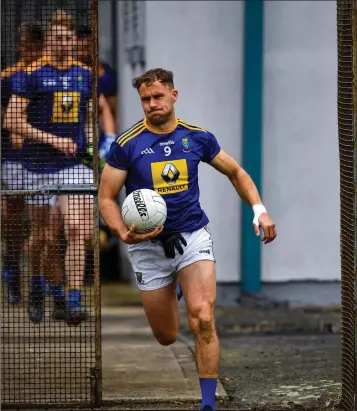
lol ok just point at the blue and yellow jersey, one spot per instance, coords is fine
(107, 85)
(167, 163)
(58, 102)
(7, 152)
(107, 80)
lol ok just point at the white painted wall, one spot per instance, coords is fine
(105, 40)
(201, 42)
(301, 169)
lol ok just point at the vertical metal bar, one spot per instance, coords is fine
(347, 152)
(354, 92)
(97, 294)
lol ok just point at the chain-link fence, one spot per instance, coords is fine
(50, 339)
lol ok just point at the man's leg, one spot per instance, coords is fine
(53, 253)
(198, 283)
(13, 235)
(162, 313)
(39, 220)
(12, 228)
(77, 212)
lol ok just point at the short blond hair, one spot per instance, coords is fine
(61, 18)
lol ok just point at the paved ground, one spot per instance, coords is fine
(137, 371)
(272, 358)
(278, 358)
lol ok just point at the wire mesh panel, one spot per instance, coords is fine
(50, 338)
(347, 109)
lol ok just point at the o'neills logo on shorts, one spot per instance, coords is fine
(140, 205)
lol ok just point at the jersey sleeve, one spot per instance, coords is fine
(21, 85)
(210, 147)
(117, 157)
(108, 82)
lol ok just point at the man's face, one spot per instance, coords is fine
(30, 52)
(158, 102)
(61, 41)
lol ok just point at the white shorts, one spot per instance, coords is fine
(79, 174)
(13, 175)
(153, 270)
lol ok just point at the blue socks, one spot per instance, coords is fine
(57, 292)
(74, 298)
(208, 389)
(178, 291)
(38, 281)
(11, 272)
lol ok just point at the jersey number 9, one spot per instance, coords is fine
(167, 151)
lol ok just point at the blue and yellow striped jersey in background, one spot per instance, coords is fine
(58, 103)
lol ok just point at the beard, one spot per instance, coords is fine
(159, 119)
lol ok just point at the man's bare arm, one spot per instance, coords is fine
(240, 179)
(112, 181)
(16, 122)
(247, 190)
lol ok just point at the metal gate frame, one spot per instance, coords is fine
(90, 189)
(347, 138)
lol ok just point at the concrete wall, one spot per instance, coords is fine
(301, 169)
(201, 42)
(105, 38)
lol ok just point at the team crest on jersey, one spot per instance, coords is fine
(186, 145)
(139, 278)
(80, 82)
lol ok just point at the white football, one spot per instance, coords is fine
(146, 209)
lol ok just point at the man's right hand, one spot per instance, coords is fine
(131, 237)
(64, 144)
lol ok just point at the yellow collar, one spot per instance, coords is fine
(157, 131)
(47, 60)
(20, 64)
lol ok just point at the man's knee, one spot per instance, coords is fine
(166, 338)
(77, 229)
(74, 230)
(202, 320)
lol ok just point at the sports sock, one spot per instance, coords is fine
(10, 271)
(74, 296)
(57, 292)
(178, 291)
(208, 390)
(37, 281)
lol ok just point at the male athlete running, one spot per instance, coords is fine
(162, 153)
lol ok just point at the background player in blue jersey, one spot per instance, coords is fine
(29, 44)
(107, 84)
(162, 153)
(107, 76)
(51, 107)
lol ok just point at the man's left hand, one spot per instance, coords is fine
(268, 226)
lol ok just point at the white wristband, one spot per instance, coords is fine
(258, 209)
